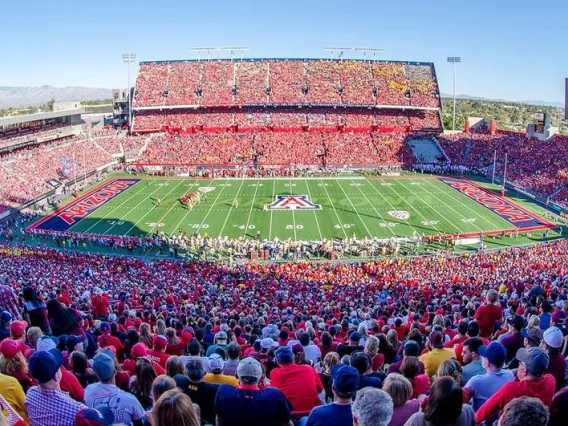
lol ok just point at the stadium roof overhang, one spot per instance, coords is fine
(181, 107)
(18, 119)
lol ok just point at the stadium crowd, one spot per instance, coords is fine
(345, 82)
(97, 340)
(34, 131)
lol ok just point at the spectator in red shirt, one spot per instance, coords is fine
(158, 354)
(490, 313)
(532, 382)
(299, 383)
(100, 303)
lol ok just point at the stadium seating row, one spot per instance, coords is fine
(225, 82)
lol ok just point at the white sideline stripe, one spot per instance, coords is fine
(356, 211)
(231, 209)
(293, 214)
(271, 211)
(296, 178)
(315, 215)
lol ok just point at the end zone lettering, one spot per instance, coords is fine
(69, 215)
(91, 202)
(500, 206)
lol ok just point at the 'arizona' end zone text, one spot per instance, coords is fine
(502, 207)
(67, 216)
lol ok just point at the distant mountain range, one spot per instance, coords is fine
(477, 98)
(26, 96)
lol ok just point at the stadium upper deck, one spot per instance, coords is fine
(213, 83)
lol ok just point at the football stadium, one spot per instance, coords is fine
(237, 240)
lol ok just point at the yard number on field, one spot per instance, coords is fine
(244, 226)
(197, 225)
(155, 224)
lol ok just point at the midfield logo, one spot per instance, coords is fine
(292, 202)
(400, 214)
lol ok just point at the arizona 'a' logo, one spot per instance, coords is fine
(400, 214)
(292, 202)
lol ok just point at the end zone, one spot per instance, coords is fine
(67, 216)
(520, 218)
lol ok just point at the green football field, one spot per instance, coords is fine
(335, 208)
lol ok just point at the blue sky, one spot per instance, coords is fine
(514, 50)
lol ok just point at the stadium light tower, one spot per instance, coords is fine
(129, 58)
(454, 60)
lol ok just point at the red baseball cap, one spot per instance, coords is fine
(18, 328)
(10, 348)
(160, 342)
(139, 350)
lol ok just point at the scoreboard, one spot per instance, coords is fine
(539, 119)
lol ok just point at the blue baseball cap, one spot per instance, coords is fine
(102, 416)
(103, 365)
(43, 366)
(496, 353)
(345, 379)
(5, 317)
(284, 355)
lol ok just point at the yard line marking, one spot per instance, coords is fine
(231, 209)
(420, 214)
(454, 210)
(335, 211)
(376, 211)
(451, 195)
(188, 210)
(356, 211)
(315, 215)
(111, 211)
(211, 208)
(251, 208)
(152, 209)
(271, 211)
(293, 214)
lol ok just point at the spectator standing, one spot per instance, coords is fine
(345, 384)
(471, 359)
(35, 311)
(220, 342)
(311, 351)
(372, 407)
(248, 404)
(532, 382)
(515, 340)
(436, 354)
(489, 315)
(352, 345)
(124, 405)
(552, 341)
(300, 384)
(9, 301)
(141, 384)
(410, 348)
(481, 387)
(233, 353)
(46, 404)
(200, 392)
(216, 366)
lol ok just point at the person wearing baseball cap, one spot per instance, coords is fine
(140, 350)
(481, 387)
(46, 404)
(158, 354)
(124, 406)
(106, 339)
(410, 348)
(13, 362)
(248, 404)
(103, 416)
(299, 383)
(351, 346)
(514, 340)
(345, 382)
(5, 319)
(220, 342)
(18, 329)
(216, 365)
(552, 341)
(532, 382)
(436, 354)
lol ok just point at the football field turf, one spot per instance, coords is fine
(297, 208)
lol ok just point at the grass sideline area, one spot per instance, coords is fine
(284, 208)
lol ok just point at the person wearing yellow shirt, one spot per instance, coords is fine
(436, 354)
(216, 365)
(14, 395)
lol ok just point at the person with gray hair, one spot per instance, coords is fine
(372, 407)
(200, 392)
